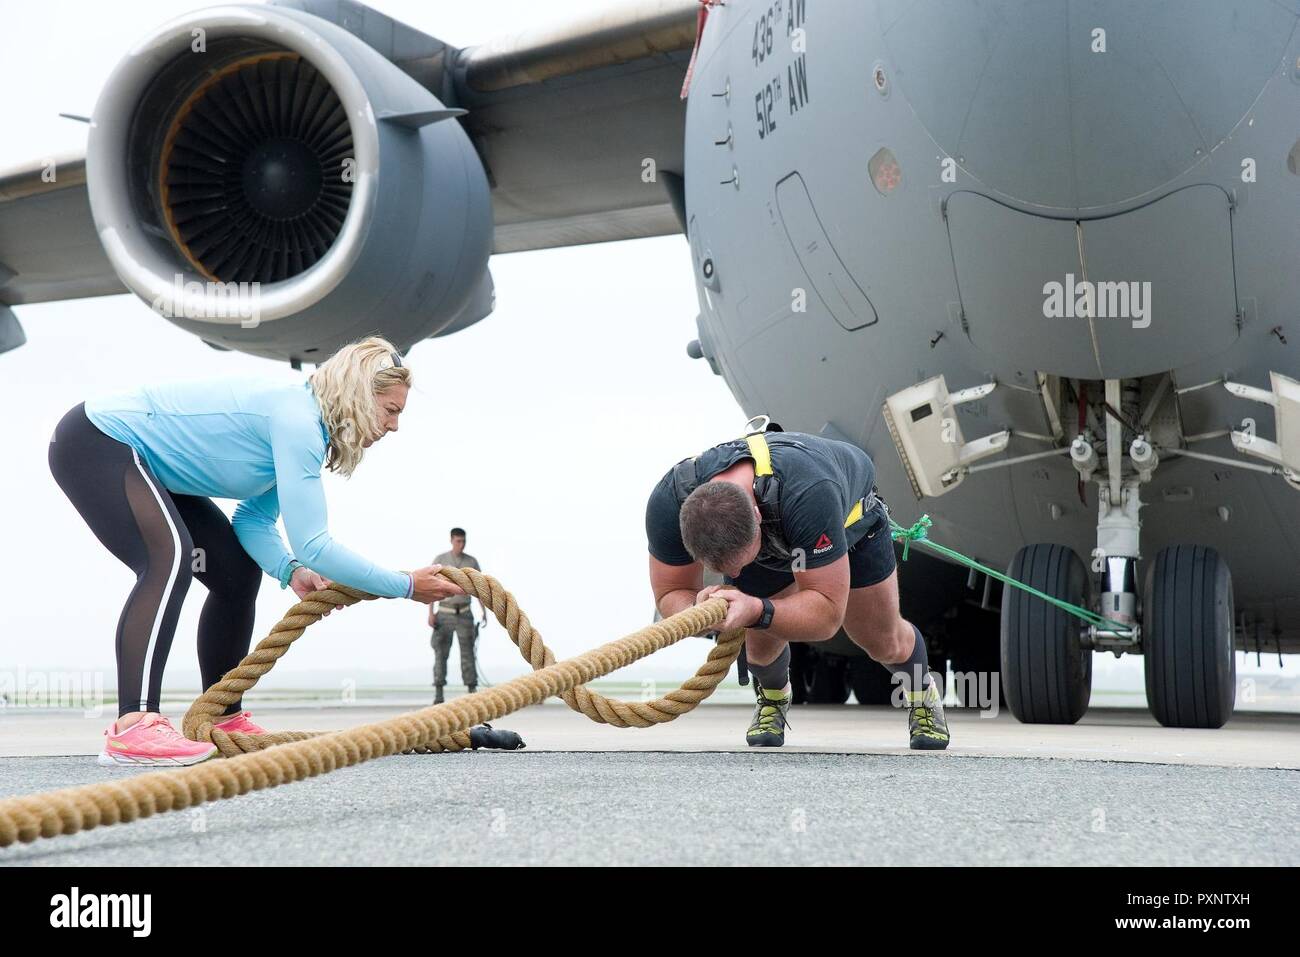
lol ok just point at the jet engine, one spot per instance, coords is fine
(267, 181)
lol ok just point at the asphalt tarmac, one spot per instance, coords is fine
(1116, 789)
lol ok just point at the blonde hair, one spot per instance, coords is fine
(346, 385)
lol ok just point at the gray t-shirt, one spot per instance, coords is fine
(466, 560)
(820, 478)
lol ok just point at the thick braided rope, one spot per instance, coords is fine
(620, 714)
(209, 707)
(69, 810)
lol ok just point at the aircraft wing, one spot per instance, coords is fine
(48, 246)
(566, 118)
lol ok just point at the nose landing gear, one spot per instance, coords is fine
(1184, 626)
(1186, 637)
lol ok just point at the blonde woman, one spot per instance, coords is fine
(143, 467)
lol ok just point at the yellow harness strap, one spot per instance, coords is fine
(762, 454)
(854, 515)
(758, 448)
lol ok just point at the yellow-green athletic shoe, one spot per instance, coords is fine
(768, 727)
(926, 722)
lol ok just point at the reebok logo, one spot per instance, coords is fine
(823, 544)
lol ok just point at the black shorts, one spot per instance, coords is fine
(871, 561)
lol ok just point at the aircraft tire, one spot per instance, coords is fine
(819, 678)
(1046, 670)
(871, 681)
(1187, 638)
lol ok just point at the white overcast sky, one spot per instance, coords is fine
(540, 430)
(578, 388)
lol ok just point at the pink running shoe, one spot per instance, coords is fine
(152, 742)
(240, 723)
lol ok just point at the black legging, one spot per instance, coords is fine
(166, 539)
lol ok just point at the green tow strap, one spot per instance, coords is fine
(919, 533)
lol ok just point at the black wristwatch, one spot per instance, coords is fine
(765, 619)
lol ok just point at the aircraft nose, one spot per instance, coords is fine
(1076, 105)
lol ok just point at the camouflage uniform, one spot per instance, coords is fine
(454, 616)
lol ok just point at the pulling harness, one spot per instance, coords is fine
(775, 552)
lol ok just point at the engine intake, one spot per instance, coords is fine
(245, 180)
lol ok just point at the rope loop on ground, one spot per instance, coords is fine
(255, 762)
(209, 708)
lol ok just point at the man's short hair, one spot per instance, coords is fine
(718, 523)
(458, 531)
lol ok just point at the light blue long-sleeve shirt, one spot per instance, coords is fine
(257, 440)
